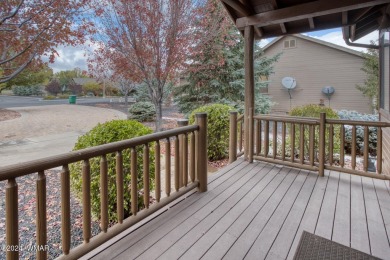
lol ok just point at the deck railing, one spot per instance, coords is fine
(236, 136)
(311, 143)
(195, 136)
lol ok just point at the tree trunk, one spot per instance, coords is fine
(126, 99)
(158, 116)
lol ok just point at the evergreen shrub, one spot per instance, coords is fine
(26, 90)
(372, 137)
(217, 129)
(142, 112)
(108, 132)
(315, 111)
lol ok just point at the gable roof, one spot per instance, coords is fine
(317, 41)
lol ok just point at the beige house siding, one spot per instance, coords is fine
(314, 66)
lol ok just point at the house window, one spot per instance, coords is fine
(289, 44)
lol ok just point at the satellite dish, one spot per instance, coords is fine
(328, 91)
(289, 83)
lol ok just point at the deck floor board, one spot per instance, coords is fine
(258, 211)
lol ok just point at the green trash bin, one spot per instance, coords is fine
(72, 99)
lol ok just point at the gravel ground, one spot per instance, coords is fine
(27, 211)
(6, 114)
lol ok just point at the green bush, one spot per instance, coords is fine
(27, 90)
(63, 96)
(112, 131)
(218, 129)
(315, 111)
(49, 97)
(142, 112)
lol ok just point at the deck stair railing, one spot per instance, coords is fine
(190, 172)
(314, 144)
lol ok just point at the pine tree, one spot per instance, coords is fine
(216, 74)
(370, 88)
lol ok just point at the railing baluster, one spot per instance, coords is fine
(275, 139)
(168, 167)
(134, 180)
(185, 160)
(177, 164)
(41, 215)
(86, 189)
(65, 209)
(119, 187)
(266, 138)
(366, 146)
(301, 143)
(258, 134)
(104, 193)
(331, 133)
(283, 141)
(353, 149)
(157, 172)
(233, 136)
(292, 137)
(192, 159)
(12, 220)
(379, 151)
(311, 144)
(241, 135)
(146, 175)
(342, 145)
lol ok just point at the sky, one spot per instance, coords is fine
(75, 57)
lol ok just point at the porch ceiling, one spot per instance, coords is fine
(273, 18)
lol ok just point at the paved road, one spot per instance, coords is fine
(43, 131)
(13, 101)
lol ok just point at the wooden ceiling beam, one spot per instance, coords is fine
(311, 23)
(283, 28)
(344, 18)
(238, 6)
(304, 11)
(244, 9)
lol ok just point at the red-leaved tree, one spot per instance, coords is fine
(149, 40)
(32, 29)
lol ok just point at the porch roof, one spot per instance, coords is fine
(272, 18)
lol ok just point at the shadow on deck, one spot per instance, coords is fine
(259, 211)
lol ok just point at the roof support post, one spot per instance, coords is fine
(249, 92)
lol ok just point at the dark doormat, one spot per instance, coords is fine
(314, 247)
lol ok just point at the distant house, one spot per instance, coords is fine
(315, 64)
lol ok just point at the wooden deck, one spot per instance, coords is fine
(259, 210)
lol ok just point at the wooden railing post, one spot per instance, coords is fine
(11, 226)
(233, 137)
(321, 143)
(202, 151)
(251, 135)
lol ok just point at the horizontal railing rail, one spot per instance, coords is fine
(316, 143)
(190, 171)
